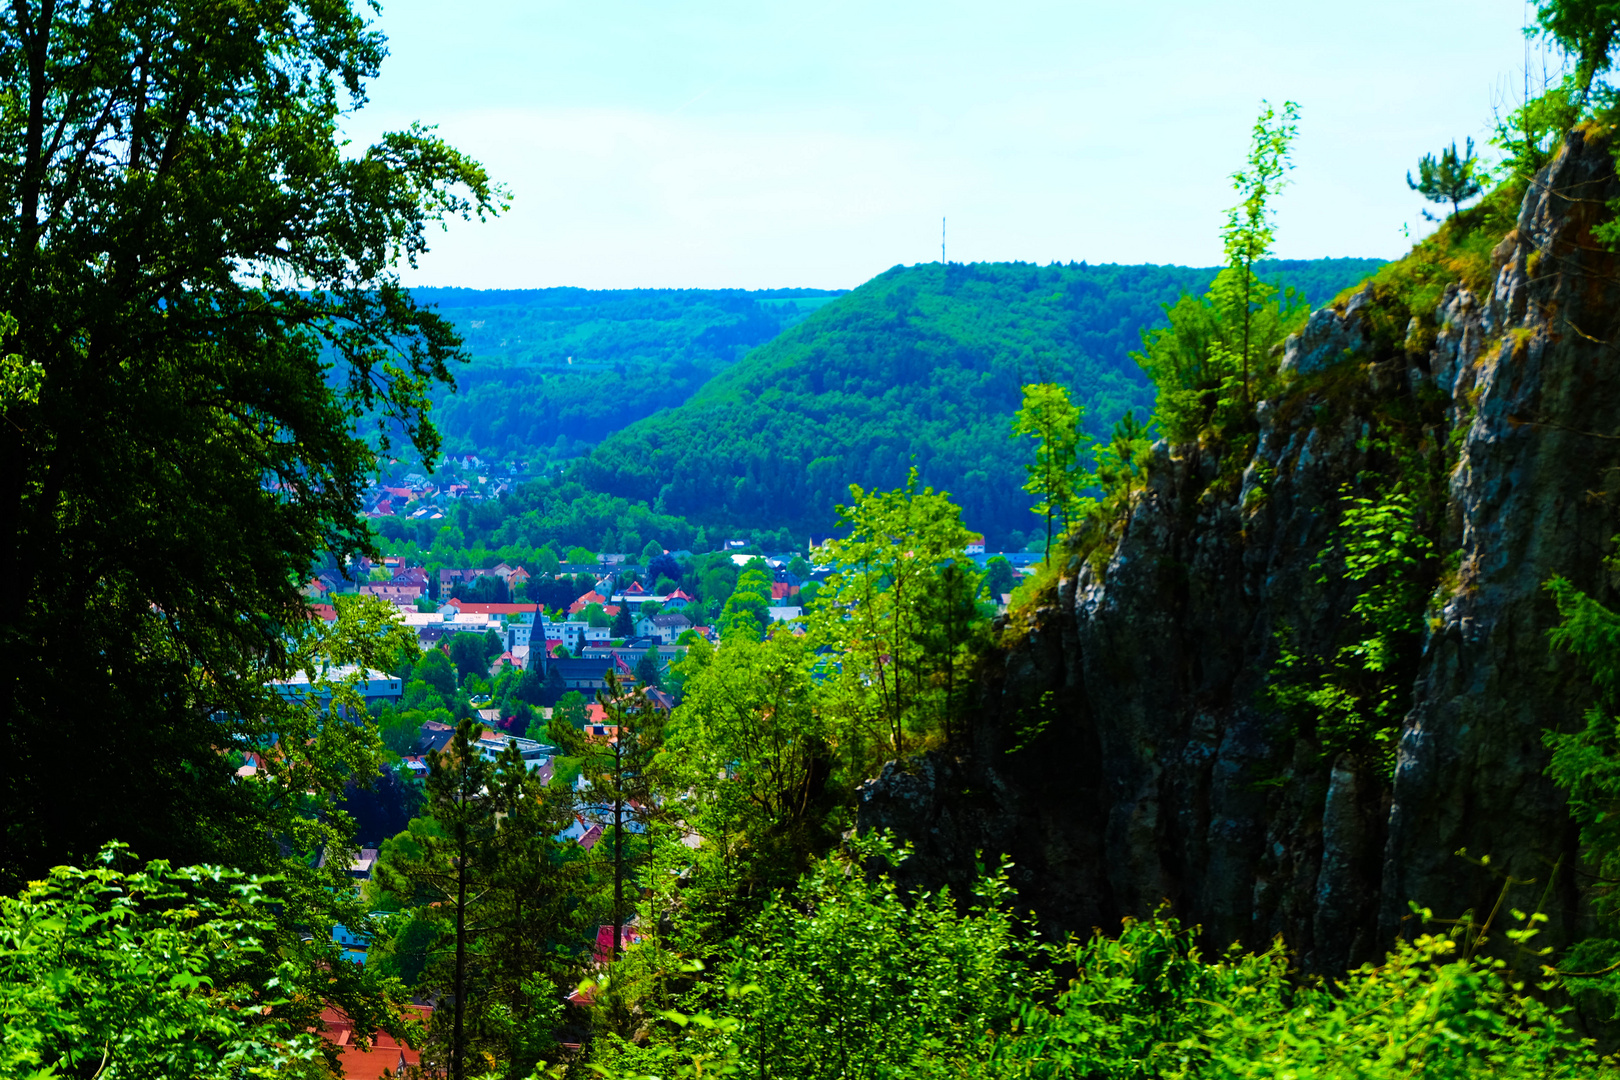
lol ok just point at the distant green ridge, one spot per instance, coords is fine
(555, 370)
(922, 363)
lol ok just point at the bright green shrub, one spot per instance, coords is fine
(155, 972)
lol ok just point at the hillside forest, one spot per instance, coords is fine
(223, 858)
(667, 426)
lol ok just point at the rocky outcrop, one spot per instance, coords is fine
(1128, 750)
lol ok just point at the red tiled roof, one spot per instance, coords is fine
(386, 1052)
(592, 597)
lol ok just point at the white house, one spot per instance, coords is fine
(573, 634)
(536, 756)
(664, 627)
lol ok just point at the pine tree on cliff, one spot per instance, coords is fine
(1447, 179)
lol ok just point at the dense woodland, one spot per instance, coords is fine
(555, 370)
(919, 366)
(179, 457)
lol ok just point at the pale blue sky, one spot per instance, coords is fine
(713, 143)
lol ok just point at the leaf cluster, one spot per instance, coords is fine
(147, 971)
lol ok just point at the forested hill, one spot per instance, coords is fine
(923, 363)
(556, 369)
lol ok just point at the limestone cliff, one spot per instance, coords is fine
(1127, 748)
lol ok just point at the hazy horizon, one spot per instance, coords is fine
(730, 145)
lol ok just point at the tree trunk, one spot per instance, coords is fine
(618, 872)
(456, 1048)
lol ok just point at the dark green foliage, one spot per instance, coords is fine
(491, 918)
(471, 653)
(553, 510)
(1586, 764)
(1354, 698)
(202, 278)
(647, 670)
(556, 369)
(436, 670)
(484, 589)
(570, 709)
(627, 776)
(1586, 30)
(385, 805)
(399, 731)
(923, 363)
(999, 578)
(660, 567)
(1451, 178)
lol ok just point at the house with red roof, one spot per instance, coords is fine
(604, 940)
(608, 733)
(592, 597)
(384, 1053)
(403, 595)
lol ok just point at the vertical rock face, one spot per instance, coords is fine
(1127, 751)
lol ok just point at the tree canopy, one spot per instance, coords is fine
(923, 363)
(204, 292)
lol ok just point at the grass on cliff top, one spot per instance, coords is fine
(1459, 251)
